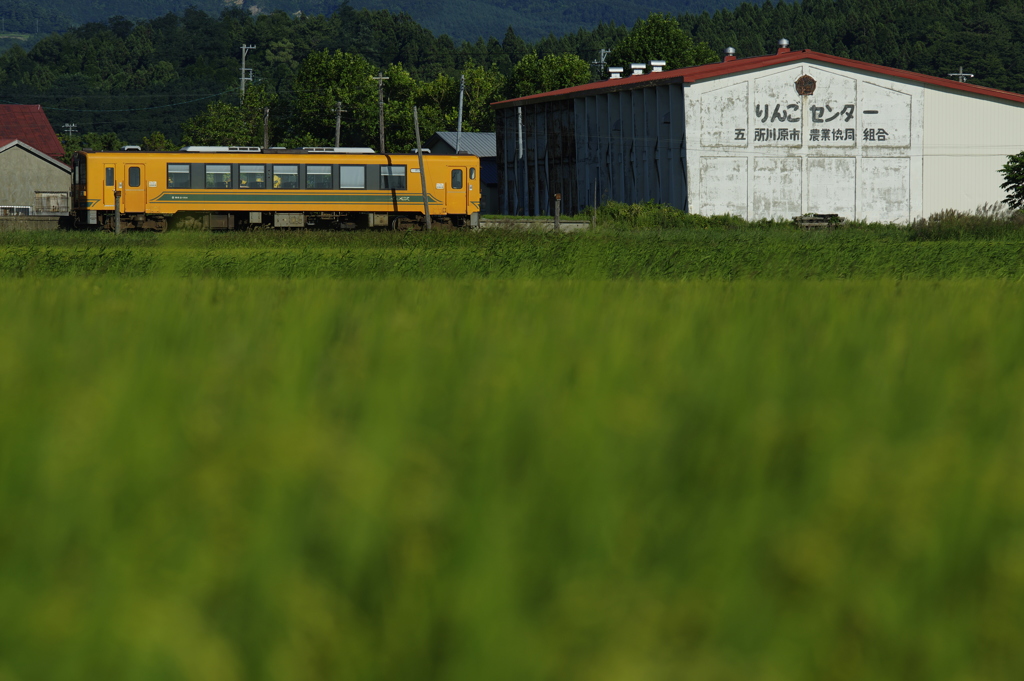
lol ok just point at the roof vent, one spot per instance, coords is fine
(657, 65)
(729, 54)
(216, 149)
(614, 72)
(131, 147)
(637, 68)
(783, 46)
(339, 150)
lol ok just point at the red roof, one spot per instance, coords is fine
(694, 74)
(28, 123)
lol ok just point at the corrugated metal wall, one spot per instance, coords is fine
(628, 145)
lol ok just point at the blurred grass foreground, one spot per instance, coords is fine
(510, 478)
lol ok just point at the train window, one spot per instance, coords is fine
(352, 177)
(318, 177)
(178, 176)
(110, 177)
(392, 177)
(218, 177)
(134, 176)
(457, 178)
(252, 177)
(286, 177)
(472, 173)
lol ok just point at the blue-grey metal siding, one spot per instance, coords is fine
(631, 143)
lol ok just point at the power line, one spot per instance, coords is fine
(145, 108)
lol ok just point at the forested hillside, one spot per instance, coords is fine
(178, 74)
(986, 37)
(461, 19)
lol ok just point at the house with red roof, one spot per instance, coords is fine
(772, 136)
(29, 124)
(33, 180)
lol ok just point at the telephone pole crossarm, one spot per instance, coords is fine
(246, 73)
(960, 75)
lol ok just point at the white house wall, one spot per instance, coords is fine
(757, 149)
(966, 141)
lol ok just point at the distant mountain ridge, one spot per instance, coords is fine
(460, 19)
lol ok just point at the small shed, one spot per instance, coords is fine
(31, 182)
(481, 145)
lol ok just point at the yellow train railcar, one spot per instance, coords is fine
(242, 187)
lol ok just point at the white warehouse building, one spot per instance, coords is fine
(765, 137)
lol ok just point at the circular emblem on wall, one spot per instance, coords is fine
(805, 85)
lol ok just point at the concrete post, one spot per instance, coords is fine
(117, 212)
(423, 174)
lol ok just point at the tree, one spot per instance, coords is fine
(1013, 174)
(230, 125)
(660, 37)
(94, 141)
(483, 86)
(325, 78)
(553, 72)
(157, 141)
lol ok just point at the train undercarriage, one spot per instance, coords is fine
(246, 220)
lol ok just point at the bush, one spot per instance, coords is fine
(653, 215)
(988, 220)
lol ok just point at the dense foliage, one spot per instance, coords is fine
(1013, 181)
(179, 74)
(461, 19)
(935, 37)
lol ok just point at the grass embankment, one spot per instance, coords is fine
(772, 252)
(527, 472)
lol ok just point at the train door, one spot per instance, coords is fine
(134, 194)
(108, 185)
(456, 200)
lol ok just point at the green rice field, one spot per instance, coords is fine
(720, 454)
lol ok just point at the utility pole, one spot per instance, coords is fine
(423, 174)
(380, 78)
(337, 123)
(458, 133)
(70, 128)
(960, 75)
(246, 73)
(520, 168)
(266, 127)
(599, 62)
